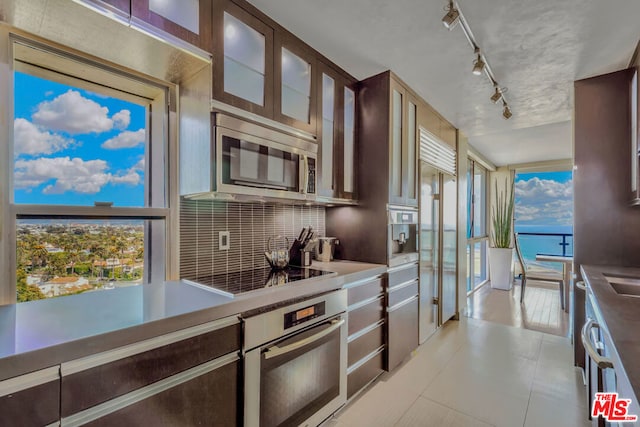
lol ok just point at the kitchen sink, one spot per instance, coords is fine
(625, 285)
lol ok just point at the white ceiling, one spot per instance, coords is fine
(536, 48)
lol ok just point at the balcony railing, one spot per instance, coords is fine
(533, 244)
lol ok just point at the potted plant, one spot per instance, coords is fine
(501, 252)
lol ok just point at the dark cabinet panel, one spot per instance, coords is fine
(365, 344)
(402, 322)
(365, 291)
(365, 316)
(89, 387)
(175, 19)
(35, 406)
(243, 67)
(210, 399)
(404, 275)
(365, 373)
(402, 293)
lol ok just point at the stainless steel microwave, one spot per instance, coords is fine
(256, 161)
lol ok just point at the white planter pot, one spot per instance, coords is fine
(500, 268)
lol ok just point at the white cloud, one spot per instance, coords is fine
(73, 113)
(28, 139)
(131, 178)
(139, 166)
(542, 201)
(67, 174)
(121, 119)
(126, 139)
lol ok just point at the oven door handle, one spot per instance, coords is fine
(275, 351)
(602, 362)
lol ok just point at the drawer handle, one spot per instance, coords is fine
(580, 285)
(278, 351)
(602, 362)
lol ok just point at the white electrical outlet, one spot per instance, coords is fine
(224, 240)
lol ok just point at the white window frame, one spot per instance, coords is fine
(161, 200)
(484, 238)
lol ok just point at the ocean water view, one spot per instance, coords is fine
(549, 245)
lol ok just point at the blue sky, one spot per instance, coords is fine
(544, 199)
(74, 147)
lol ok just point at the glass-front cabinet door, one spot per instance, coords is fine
(243, 60)
(327, 132)
(188, 20)
(349, 145)
(410, 166)
(295, 95)
(397, 144)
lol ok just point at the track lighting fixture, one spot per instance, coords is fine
(498, 94)
(455, 16)
(452, 17)
(506, 111)
(478, 64)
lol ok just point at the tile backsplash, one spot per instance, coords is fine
(249, 225)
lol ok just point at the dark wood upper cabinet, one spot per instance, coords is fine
(188, 20)
(336, 133)
(294, 77)
(243, 67)
(328, 129)
(119, 7)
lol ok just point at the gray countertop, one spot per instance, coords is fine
(39, 334)
(621, 317)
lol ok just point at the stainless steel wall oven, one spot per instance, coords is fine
(296, 362)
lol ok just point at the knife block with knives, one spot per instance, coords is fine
(300, 251)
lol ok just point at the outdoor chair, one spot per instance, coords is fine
(543, 276)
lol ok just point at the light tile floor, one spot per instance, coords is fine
(477, 373)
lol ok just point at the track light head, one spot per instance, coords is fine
(496, 96)
(478, 66)
(506, 111)
(451, 19)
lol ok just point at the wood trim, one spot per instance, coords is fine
(295, 46)
(140, 9)
(219, 8)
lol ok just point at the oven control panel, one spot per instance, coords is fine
(302, 315)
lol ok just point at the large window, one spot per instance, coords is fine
(477, 238)
(88, 188)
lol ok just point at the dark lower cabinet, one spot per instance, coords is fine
(366, 341)
(188, 377)
(208, 399)
(31, 400)
(402, 314)
(364, 373)
(402, 321)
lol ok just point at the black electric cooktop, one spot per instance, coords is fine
(251, 280)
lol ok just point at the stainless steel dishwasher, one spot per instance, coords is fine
(296, 362)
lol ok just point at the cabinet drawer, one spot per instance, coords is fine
(403, 332)
(365, 373)
(207, 398)
(128, 368)
(401, 293)
(366, 315)
(365, 344)
(31, 399)
(399, 277)
(365, 291)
